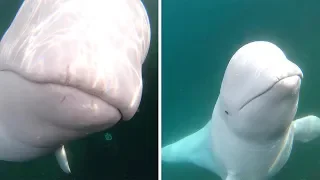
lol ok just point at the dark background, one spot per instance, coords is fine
(199, 38)
(132, 154)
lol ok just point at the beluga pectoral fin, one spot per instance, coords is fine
(306, 128)
(62, 159)
(194, 148)
(230, 177)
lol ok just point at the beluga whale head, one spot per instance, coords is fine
(69, 68)
(259, 92)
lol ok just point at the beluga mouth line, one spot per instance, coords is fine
(271, 86)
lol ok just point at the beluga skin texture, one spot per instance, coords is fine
(69, 68)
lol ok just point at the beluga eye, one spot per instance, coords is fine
(227, 113)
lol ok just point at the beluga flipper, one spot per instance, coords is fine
(62, 159)
(69, 68)
(252, 128)
(306, 128)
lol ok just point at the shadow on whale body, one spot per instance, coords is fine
(69, 68)
(252, 128)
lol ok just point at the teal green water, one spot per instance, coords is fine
(131, 153)
(199, 38)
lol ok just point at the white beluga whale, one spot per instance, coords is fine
(69, 68)
(252, 129)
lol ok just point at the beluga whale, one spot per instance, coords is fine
(252, 129)
(69, 68)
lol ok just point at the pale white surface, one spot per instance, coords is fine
(69, 68)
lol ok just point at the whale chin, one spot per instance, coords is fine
(69, 112)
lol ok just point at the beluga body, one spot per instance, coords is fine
(252, 129)
(69, 68)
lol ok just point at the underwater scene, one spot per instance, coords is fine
(198, 40)
(127, 150)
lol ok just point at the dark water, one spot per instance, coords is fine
(132, 152)
(199, 38)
